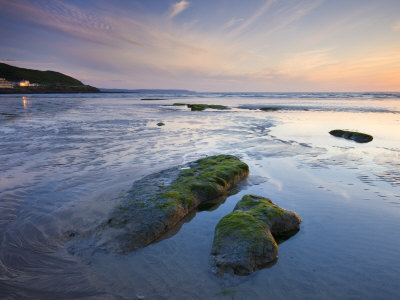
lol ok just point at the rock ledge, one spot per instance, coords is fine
(159, 201)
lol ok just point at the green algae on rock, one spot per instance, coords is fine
(352, 135)
(269, 108)
(244, 239)
(179, 104)
(159, 201)
(199, 107)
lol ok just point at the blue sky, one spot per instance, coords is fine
(257, 45)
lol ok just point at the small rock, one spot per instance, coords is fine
(269, 108)
(358, 137)
(200, 107)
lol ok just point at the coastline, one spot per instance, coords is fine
(58, 90)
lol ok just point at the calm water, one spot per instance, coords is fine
(66, 160)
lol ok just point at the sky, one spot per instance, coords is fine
(209, 45)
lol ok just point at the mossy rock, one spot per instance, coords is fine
(244, 239)
(179, 104)
(200, 107)
(269, 108)
(158, 202)
(352, 135)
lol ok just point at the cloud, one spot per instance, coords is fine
(288, 15)
(65, 18)
(232, 22)
(396, 26)
(177, 8)
(376, 71)
(253, 18)
(302, 63)
(258, 53)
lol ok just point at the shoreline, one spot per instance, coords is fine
(60, 90)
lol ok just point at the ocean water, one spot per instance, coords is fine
(67, 160)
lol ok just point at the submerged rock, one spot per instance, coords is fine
(244, 239)
(158, 202)
(200, 107)
(352, 135)
(269, 108)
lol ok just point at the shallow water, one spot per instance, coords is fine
(66, 160)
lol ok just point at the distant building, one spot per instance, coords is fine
(4, 84)
(27, 83)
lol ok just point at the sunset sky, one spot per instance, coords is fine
(204, 45)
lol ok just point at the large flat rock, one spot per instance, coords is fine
(158, 202)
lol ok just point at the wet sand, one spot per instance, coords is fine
(65, 161)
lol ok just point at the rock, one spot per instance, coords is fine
(352, 135)
(200, 107)
(244, 239)
(160, 124)
(158, 202)
(269, 108)
(179, 104)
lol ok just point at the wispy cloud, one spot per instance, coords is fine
(62, 17)
(288, 15)
(300, 64)
(238, 30)
(379, 70)
(348, 21)
(177, 8)
(396, 26)
(232, 22)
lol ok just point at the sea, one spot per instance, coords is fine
(67, 160)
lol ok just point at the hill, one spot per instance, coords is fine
(50, 81)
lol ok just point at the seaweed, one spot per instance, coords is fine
(269, 108)
(200, 107)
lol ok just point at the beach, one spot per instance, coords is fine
(67, 160)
